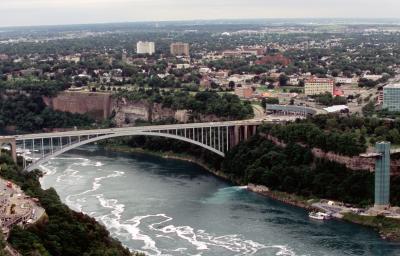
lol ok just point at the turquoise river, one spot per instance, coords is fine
(168, 207)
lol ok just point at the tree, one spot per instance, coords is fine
(283, 79)
(369, 109)
(231, 85)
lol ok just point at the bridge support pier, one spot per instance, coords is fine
(236, 136)
(246, 132)
(13, 146)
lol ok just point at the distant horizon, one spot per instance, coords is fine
(25, 13)
(332, 20)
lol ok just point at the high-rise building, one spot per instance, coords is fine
(391, 97)
(145, 48)
(317, 86)
(382, 175)
(180, 49)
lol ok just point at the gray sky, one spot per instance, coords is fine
(45, 12)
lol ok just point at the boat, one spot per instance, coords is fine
(319, 216)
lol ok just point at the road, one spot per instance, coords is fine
(258, 112)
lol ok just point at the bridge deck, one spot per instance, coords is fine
(132, 129)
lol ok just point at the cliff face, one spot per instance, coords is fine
(128, 112)
(96, 105)
(101, 106)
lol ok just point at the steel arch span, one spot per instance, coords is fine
(216, 137)
(58, 152)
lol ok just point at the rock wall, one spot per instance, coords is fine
(96, 105)
(101, 106)
(128, 112)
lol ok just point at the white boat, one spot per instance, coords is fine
(319, 216)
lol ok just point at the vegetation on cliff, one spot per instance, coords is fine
(65, 232)
(2, 245)
(227, 106)
(294, 170)
(350, 135)
(29, 113)
(345, 143)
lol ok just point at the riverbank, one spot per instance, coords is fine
(76, 233)
(294, 200)
(174, 156)
(387, 228)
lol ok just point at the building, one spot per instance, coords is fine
(180, 49)
(372, 77)
(145, 48)
(244, 51)
(289, 110)
(380, 97)
(382, 175)
(391, 97)
(244, 92)
(315, 86)
(3, 57)
(337, 109)
(344, 80)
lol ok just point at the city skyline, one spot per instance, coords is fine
(59, 12)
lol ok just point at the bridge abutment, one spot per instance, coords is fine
(13, 146)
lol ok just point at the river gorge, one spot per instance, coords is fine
(170, 207)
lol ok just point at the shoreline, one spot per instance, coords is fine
(173, 156)
(385, 227)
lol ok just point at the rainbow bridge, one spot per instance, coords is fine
(217, 137)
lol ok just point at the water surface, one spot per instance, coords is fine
(168, 207)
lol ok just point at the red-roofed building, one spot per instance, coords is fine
(279, 58)
(338, 92)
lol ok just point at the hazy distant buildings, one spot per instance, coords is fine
(180, 49)
(244, 51)
(315, 86)
(145, 48)
(391, 97)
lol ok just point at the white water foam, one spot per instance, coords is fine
(77, 200)
(132, 229)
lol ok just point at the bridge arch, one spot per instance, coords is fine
(46, 158)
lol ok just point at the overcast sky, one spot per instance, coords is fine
(46, 12)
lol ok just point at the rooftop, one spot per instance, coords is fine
(392, 86)
(336, 108)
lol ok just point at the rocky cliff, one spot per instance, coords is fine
(97, 105)
(128, 112)
(101, 106)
